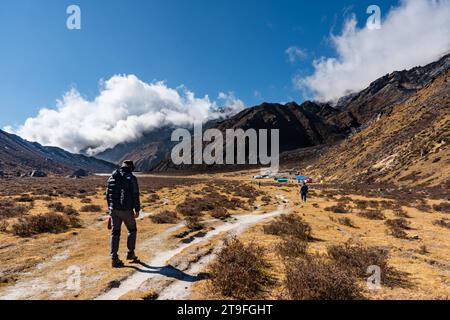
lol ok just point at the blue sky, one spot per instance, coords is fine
(208, 46)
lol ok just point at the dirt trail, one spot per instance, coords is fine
(169, 282)
(172, 283)
(30, 287)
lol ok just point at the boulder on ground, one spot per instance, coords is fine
(80, 173)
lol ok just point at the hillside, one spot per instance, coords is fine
(407, 144)
(20, 156)
(393, 88)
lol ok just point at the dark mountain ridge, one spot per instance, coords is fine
(18, 156)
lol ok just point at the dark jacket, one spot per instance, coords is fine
(122, 192)
(304, 189)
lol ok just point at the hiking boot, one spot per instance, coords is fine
(117, 263)
(132, 257)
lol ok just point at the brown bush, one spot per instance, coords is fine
(399, 212)
(211, 201)
(165, 217)
(86, 200)
(43, 223)
(153, 197)
(398, 233)
(220, 213)
(9, 209)
(361, 204)
(189, 207)
(346, 222)
(316, 278)
(240, 271)
(24, 198)
(443, 223)
(442, 207)
(339, 208)
(372, 214)
(289, 225)
(423, 207)
(70, 211)
(292, 247)
(4, 225)
(358, 258)
(74, 221)
(193, 223)
(91, 208)
(56, 206)
(400, 223)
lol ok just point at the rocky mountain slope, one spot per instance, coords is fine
(389, 90)
(146, 152)
(19, 156)
(408, 143)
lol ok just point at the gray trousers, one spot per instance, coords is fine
(127, 217)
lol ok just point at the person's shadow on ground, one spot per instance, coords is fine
(169, 272)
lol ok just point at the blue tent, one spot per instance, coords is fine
(301, 178)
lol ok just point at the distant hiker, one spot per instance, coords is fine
(122, 195)
(304, 191)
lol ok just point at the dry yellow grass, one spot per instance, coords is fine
(43, 260)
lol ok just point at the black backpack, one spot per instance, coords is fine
(120, 187)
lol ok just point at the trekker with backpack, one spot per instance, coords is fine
(122, 195)
(304, 191)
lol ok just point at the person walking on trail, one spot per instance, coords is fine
(304, 191)
(123, 198)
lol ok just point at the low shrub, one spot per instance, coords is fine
(4, 225)
(193, 223)
(153, 197)
(398, 233)
(56, 206)
(70, 211)
(24, 198)
(399, 212)
(345, 221)
(10, 209)
(43, 223)
(316, 278)
(400, 223)
(423, 207)
(339, 208)
(240, 271)
(292, 247)
(442, 207)
(91, 208)
(220, 213)
(289, 225)
(358, 258)
(165, 217)
(443, 223)
(372, 214)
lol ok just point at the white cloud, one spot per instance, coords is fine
(415, 33)
(124, 110)
(295, 53)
